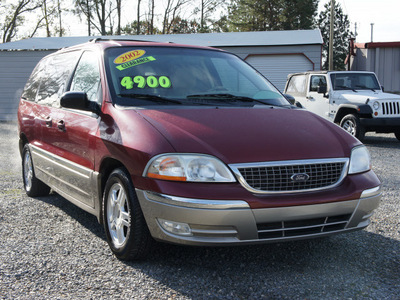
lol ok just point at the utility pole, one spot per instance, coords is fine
(372, 32)
(355, 30)
(331, 32)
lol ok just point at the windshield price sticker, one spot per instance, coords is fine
(129, 56)
(142, 82)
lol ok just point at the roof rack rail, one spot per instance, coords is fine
(99, 39)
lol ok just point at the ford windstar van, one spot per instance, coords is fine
(187, 145)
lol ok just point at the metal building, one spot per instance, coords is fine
(274, 53)
(381, 58)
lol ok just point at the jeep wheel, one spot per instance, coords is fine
(397, 134)
(351, 123)
(124, 223)
(33, 186)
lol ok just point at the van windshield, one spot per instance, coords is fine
(141, 76)
(354, 81)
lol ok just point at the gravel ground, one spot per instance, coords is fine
(51, 249)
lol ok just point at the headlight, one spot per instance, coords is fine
(360, 160)
(188, 167)
(375, 105)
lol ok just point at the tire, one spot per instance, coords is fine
(124, 224)
(397, 134)
(33, 186)
(351, 123)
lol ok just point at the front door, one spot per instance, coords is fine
(79, 130)
(317, 103)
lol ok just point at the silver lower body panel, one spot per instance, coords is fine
(239, 224)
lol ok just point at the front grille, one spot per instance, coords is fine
(279, 177)
(302, 227)
(390, 108)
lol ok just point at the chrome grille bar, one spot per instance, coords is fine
(277, 177)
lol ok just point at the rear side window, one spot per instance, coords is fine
(297, 85)
(32, 85)
(53, 80)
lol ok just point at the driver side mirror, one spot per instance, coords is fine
(79, 101)
(290, 98)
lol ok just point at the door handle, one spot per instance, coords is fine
(61, 125)
(309, 98)
(48, 121)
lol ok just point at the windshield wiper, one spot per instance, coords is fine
(226, 97)
(153, 98)
(365, 88)
(341, 87)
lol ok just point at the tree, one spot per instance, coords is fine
(341, 36)
(15, 17)
(299, 14)
(171, 12)
(84, 7)
(254, 15)
(180, 25)
(98, 13)
(262, 15)
(206, 8)
(145, 28)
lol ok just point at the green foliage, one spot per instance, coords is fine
(341, 36)
(145, 28)
(262, 15)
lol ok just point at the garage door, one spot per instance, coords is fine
(277, 67)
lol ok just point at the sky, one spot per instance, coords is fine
(385, 14)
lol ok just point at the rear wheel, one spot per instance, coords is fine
(351, 123)
(124, 223)
(33, 186)
(397, 134)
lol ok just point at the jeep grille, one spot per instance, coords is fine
(280, 177)
(390, 108)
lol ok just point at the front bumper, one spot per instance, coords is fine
(221, 222)
(384, 125)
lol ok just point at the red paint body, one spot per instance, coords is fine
(234, 135)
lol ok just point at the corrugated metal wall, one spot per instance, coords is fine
(385, 62)
(276, 62)
(15, 68)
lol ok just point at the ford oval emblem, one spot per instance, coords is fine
(300, 177)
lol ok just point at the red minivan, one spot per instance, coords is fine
(187, 145)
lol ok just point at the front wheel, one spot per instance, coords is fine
(351, 123)
(124, 223)
(33, 186)
(397, 134)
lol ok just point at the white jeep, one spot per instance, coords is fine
(353, 100)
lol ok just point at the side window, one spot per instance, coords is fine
(87, 77)
(297, 85)
(53, 79)
(316, 81)
(32, 85)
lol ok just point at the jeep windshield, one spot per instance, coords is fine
(354, 81)
(158, 75)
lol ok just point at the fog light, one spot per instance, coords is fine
(175, 227)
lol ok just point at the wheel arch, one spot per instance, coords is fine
(107, 165)
(22, 141)
(361, 111)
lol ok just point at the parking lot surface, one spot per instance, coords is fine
(51, 249)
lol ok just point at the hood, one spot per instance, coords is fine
(240, 135)
(361, 96)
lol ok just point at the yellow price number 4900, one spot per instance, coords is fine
(142, 82)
